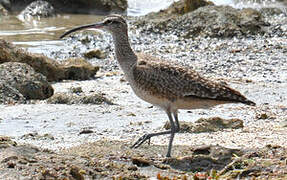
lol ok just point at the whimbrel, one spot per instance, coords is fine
(161, 83)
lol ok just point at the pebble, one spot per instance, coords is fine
(86, 131)
(140, 162)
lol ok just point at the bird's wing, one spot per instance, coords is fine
(173, 81)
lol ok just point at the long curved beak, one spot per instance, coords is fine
(96, 26)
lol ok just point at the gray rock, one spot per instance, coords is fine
(204, 158)
(95, 53)
(271, 11)
(76, 68)
(6, 4)
(37, 9)
(69, 98)
(6, 141)
(4, 7)
(3, 11)
(180, 7)
(212, 124)
(10, 95)
(22, 77)
(208, 21)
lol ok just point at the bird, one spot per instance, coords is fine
(167, 85)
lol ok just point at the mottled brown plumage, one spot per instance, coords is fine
(174, 82)
(162, 83)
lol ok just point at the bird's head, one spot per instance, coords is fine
(113, 23)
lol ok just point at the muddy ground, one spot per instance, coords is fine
(108, 159)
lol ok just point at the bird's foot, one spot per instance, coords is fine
(141, 140)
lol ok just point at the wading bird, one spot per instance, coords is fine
(161, 83)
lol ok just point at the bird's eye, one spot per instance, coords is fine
(108, 21)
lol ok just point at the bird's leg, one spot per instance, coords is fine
(173, 131)
(145, 137)
(177, 125)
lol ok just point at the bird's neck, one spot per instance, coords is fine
(124, 53)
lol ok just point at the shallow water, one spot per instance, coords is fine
(38, 35)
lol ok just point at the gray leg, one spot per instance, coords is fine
(177, 125)
(172, 131)
(145, 137)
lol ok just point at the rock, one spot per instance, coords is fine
(11, 165)
(180, 7)
(36, 10)
(36, 136)
(3, 11)
(68, 98)
(96, 53)
(269, 11)
(262, 116)
(208, 21)
(198, 163)
(10, 95)
(133, 168)
(76, 173)
(24, 79)
(204, 158)
(41, 64)
(212, 124)
(76, 90)
(191, 5)
(140, 162)
(47, 174)
(86, 131)
(15, 152)
(78, 69)
(6, 4)
(78, 6)
(6, 141)
(118, 6)
(70, 69)
(283, 123)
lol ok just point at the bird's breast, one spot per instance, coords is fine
(150, 97)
